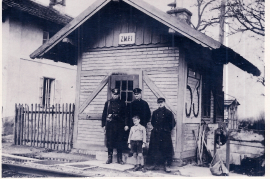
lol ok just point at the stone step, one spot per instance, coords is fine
(103, 156)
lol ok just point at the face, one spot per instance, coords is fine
(162, 104)
(137, 95)
(115, 96)
(136, 121)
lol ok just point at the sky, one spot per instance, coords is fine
(236, 82)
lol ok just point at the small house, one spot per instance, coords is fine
(129, 44)
(230, 112)
(26, 25)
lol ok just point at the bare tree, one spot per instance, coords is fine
(241, 15)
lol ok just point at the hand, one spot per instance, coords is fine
(143, 145)
(129, 146)
(104, 129)
(126, 128)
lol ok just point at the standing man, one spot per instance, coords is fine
(160, 140)
(113, 123)
(140, 108)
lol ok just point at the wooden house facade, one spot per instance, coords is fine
(129, 44)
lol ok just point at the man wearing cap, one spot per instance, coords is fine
(160, 140)
(113, 123)
(140, 108)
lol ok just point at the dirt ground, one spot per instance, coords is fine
(65, 157)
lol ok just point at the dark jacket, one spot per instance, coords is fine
(160, 140)
(139, 108)
(114, 128)
(117, 109)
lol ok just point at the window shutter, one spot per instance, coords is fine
(41, 81)
(57, 94)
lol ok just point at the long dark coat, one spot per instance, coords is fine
(139, 108)
(114, 128)
(160, 140)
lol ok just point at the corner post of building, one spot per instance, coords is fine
(182, 83)
(78, 79)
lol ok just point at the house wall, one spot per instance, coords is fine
(159, 63)
(21, 75)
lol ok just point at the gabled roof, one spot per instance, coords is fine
(222, 53)
(37, 10)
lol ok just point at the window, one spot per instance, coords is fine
(206, 98)
(45, 36)
(47, 89)
(126, 84)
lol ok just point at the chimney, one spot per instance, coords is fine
(59, 5)
(182, 14)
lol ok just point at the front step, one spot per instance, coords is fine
(103, 156)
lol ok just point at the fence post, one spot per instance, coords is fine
(38, 124)
(44, 137)
(52, 127)
(15, 127)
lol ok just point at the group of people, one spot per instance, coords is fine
(118, 118)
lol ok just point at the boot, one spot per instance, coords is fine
(110, 153)
(119, 158)
(153, 167)
(109, 159)
(136, 168)
(143, 169)
(167, 168)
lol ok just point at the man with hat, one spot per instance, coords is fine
(113, 123)
(160, 140)
(140, 108)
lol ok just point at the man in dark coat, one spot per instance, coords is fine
(113, 123)
(160, 140)
(140, 108)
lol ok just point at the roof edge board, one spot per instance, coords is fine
(85, 15)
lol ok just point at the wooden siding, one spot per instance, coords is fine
(159, 63)
(109, 22)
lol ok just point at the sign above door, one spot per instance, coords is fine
(126, 38)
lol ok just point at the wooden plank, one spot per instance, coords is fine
(38, 121)
(69, 125)
(55, 127)
(90, 116)
(157, 92)
(147, 32)
(23, 127)
(182, 81)
(62, 127)
(70, 27)
(52, 127)
(94, 94)
(44, 134)
(35, 126)
(65, 127)
(78, 87)
(58, 132)
(28, 123)
(187, 154)
(15, 126)
(41, 127)
(49, 127)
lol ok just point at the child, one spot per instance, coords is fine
(136, 141)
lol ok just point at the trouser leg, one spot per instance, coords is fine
(110, 154)
(119, 156)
